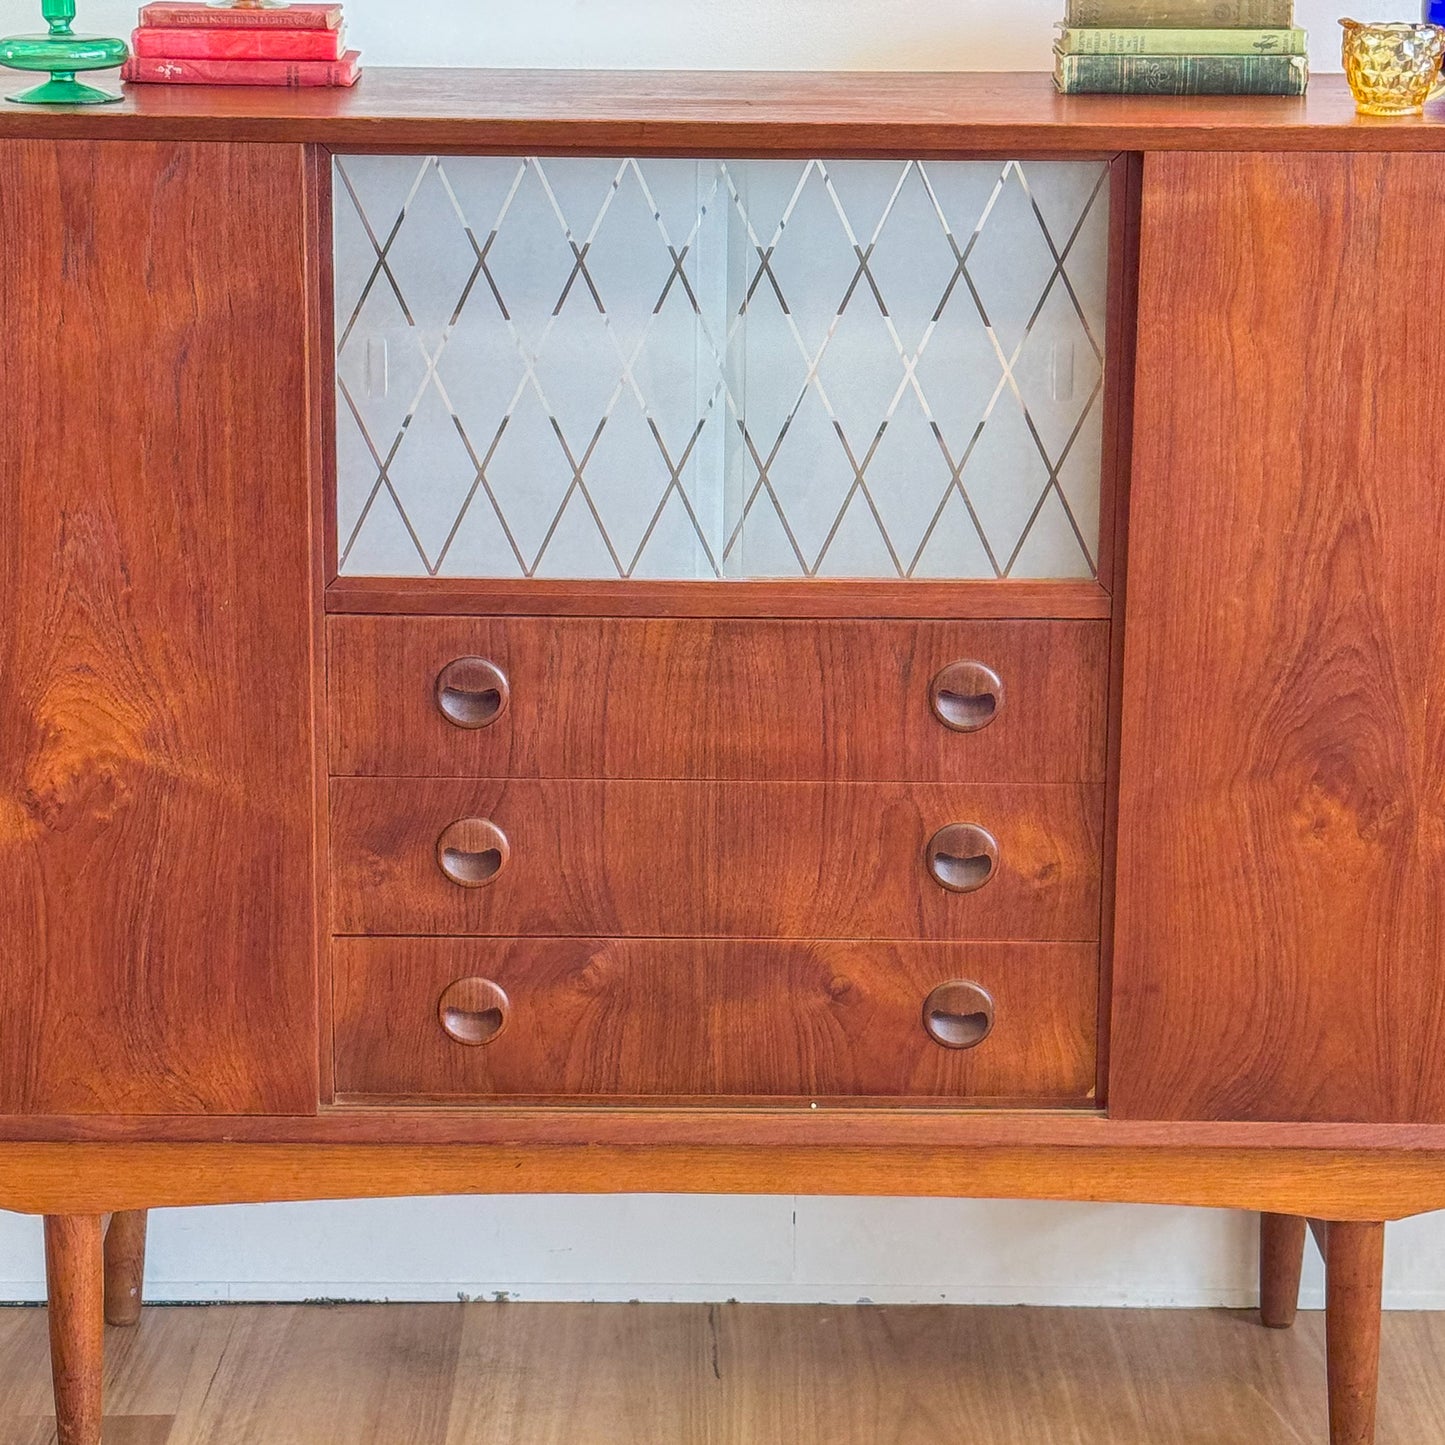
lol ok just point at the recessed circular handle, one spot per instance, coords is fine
(472, 851)
(958, 1014)
(472, 692)
(962, 857)
(472, 1011)
(966, 696)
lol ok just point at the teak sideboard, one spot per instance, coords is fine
(818, 633)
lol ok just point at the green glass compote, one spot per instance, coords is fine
(62, 53)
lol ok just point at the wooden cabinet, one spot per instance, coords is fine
(541, 657)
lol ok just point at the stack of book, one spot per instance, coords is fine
(1180, 47)
(201, 44)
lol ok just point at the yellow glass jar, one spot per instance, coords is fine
(1392, 68)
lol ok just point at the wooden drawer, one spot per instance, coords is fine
(690, 1018)
(618, 698)
(793, 860)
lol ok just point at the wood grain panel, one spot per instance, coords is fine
(157, 924)
(748, 860)
(647, 1017)
(1281, 916)
(688, 112)
(614, 698)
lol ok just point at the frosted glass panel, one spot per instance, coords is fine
(609, 368)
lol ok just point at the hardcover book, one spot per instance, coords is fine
(165, 14)
(1181, 74)
(207, 44)
(1183, 14)
(1138, 41)
(293, 74)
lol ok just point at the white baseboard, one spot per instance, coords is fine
(191, 1292)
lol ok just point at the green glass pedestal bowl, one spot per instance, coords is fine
(64, 54)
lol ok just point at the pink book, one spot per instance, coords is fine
(167, 14)
(289, 73)
(207, 44)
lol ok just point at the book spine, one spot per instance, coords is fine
(1095, 41)
(293, 74)
(1181, 74)
(1183, 14)
(163, 14)
(238, 44)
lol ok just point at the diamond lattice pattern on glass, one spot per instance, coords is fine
(715, 369)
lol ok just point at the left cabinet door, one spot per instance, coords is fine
(158, 913)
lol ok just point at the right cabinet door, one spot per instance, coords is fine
(1281, 867)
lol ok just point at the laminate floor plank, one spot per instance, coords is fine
(27, 1430)
(560, 1374)
(154, 1366)
(119, 1430)
(24, 1366)
(1014, 1376)
(149, 1370)
(305, 1374)
(1412, 1377)
(1201, 1379)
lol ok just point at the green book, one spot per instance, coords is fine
(1183, 14)
(1181, 74)
(1142, 41)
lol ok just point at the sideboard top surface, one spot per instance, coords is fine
(739, 112)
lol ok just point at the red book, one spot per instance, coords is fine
(166, 14)
(239, 44)
(291, 73)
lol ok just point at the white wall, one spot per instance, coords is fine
(719, 34)
(665, 1248)
(767, 1250)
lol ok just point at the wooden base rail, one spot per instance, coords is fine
(101, 1178)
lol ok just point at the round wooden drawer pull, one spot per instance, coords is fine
(472, 1011)
(472, 692)
(966, 696)
(472, 851)
(958, 1015)
(962, 857)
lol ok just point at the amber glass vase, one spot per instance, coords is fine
(1392, 68)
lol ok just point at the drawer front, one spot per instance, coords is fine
(681, 859)
(618, 698)
(721, 1019)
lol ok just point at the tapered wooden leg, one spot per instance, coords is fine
(1354, 1274)
(1281, 1257)
(125, 1266)
(75, 1280)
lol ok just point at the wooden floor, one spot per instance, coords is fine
(483, 1374)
